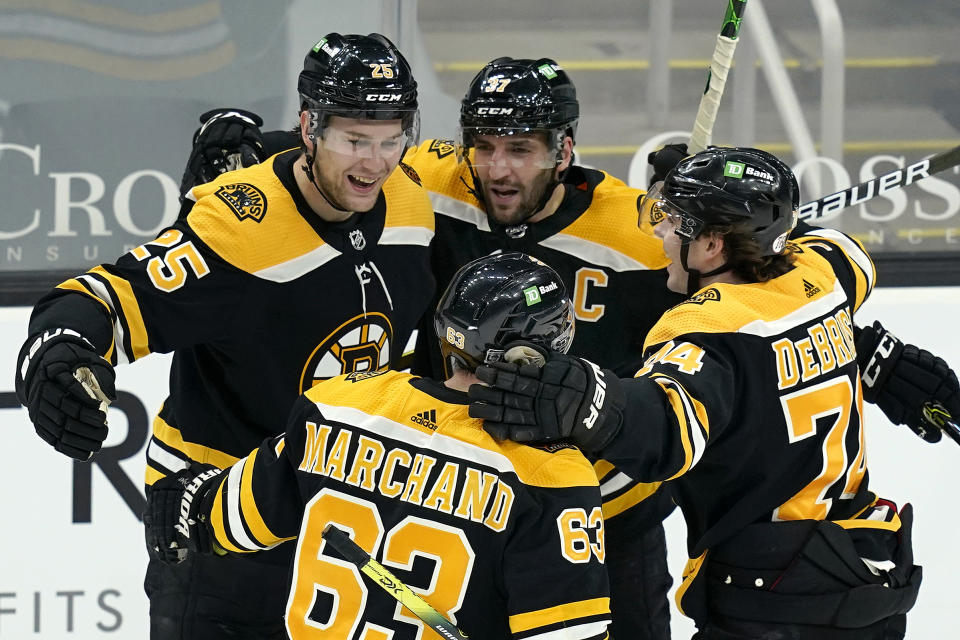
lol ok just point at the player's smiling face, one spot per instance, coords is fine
(355, 157)
(514, 171)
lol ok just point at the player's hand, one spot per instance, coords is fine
(665, 159)
(903, 379)
(173, 519)
(568, 398)
(66, 387)
(227, 139)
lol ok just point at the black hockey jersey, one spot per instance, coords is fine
(758, 400)
(503, 539)
(614, 270)
(259, 299)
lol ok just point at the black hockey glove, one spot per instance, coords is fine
(568, 398)
(665, 159)
(903, 380)
(227, 139)
(66, 387)
(173, 517)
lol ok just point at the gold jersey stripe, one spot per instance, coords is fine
(171, 437)
(248, 507)
(75, 285)
(690, 572)
(139, 342)
(151, 475)
(561, 613)
(634, 496)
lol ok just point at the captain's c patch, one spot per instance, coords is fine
(245, 200)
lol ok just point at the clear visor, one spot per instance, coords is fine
(361, 138)
(509, 148)
(655, 209)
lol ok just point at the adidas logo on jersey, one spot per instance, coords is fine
(810, 289)
(426, 418)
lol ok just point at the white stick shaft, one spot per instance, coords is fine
(710, 102)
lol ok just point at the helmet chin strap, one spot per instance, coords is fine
(308, 169)
(694, 275)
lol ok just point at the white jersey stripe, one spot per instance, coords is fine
(234, 517)
(406, 235)
(453, 208)
(853, 250)
(617, 482)
(592, 252)
(575, 632)
(118, 336)
(439, 442)
(804, 315)
(301, 265)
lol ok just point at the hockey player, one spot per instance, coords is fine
(510, 183)
(504, 540)
(312, 264)
(749, 405)
(513, 185)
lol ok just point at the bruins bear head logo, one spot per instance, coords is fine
(245, 200)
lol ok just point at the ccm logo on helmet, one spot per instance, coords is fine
(495, 111)
(383, 97)
(599, 395)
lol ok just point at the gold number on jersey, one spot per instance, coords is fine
(314, 570)
(496, 85)
(686, 357)
(587, 277)
(383, 70)
(169, 273)
(801, 409)
(575, 543)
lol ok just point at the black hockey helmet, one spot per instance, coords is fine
(518, 95)
(747, 188)
(363, 77)
(498, 300)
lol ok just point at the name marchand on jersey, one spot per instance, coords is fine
(459, 489)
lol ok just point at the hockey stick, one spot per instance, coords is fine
(864, 191)
(717, 76)
(938, 415)
(390, 583)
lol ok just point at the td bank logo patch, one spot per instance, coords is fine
(532, 295)
(245, 200)
(733, 169)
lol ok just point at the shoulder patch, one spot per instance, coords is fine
(411, 173)
(244, 199)
(442, 148)
(358, 376)
(704, 296)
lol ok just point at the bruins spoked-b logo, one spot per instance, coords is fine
(361, 344)
(245, 200)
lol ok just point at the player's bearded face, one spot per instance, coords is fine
(515, 171)
(354, 157)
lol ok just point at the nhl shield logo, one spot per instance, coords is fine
(245, 200)
(357, 239)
